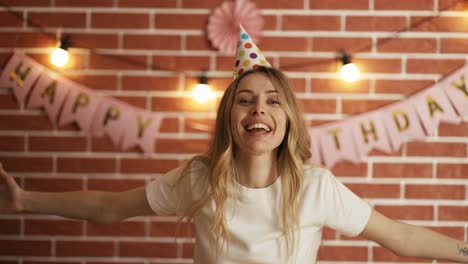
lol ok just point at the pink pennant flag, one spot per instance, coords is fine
(141, 130)
(455, 88)
(314, 146)
(49, 92)
(80, 106)
(20, 73)
(111, 119)
(336, 142)
(433, 106)
(369, 133)
(402, 123)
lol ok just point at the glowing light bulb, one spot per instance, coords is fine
(349, 72)
(202, 93)
(59, 57)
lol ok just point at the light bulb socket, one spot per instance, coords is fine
(65, 42)
(345, 58)
(203, 78)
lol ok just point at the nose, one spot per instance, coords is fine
(258, 108)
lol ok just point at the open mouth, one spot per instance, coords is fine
(258, 127)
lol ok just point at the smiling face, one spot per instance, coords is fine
(258, 121)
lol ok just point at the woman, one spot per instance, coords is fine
(252, 197)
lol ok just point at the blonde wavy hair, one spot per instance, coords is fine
(292, 153)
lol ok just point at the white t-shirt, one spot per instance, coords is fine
(254, 216)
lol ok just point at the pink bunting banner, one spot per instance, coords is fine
(49, 92)
(369, 133)
(20, 74)
(141, 130)
(455, 87)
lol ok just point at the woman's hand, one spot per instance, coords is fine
(9, 194)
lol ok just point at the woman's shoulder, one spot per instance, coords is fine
(315, 173)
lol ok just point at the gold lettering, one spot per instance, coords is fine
(371, 130)
(17, 73)
(461, 86)
(81, 100)
(433, 105)
(112, 113)
(50, 91)
(334, 133)
(397, 122)
(142, 126)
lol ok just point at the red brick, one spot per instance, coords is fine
(456, 232)
(152, 42)
(335, 44)
(439, 24)
(181, 146)
(53, 184)
(298, 85)
(328, 23)
(339, 86)
(306, 64)
(456, 130)
(53, 227)
(187, 250)
(85, 3)
(271, 22)
(193, 125)
(342, 253)
(375, 23)
(50, 262)
(150, 83)
(216, 84)
(114, 185)
(148, 3)
(358, 106)
(104, 144)
(454, 45)
(407, 212)
(378, 65)
(455, 171)
(382, 254)
(147, 249)
(28, 3)
(12, 143)
(120, 20)
(44, 143)
(117, 62)
(328, 233)
(136, 101)
(180, 21)
(318, 105)
(95, 82)
(224, 63)
(402, 170)
(95, 41)
(198, 43)
(146, 166)
(86, 165)
(181, 63)
(337, 4)
(284, 44)
(429, 149)
(84, 248)
(24, 122)
(25, 40)
(57, 19)
(453, 213)
(184, 104)
(404, 5)
(376, 152)
(8, 101)
(426, 191)
(11, 20)
(413, 45)
(171, 229)
(452, 5)
(444, 66)
(372, 190)
(405, 87)
(26, 164)
(10, 227)
(347, 169)
(169, 125)
(126, 228)
(201, 4)
(279, 4)
(36, 248)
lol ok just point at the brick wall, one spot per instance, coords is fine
(424, 183)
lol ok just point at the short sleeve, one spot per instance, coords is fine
(345, 211)
(167, 196)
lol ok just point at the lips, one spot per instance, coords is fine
(252, 127)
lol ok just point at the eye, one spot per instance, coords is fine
(244, 101)
(273, 102)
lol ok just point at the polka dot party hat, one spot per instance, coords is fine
(248, 55)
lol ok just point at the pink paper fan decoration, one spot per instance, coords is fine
(223, 24)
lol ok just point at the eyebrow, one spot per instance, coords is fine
(251, 92)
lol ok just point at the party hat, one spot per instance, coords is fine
(248, 55)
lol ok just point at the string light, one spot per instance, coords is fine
(59, 56)
(202, 91)
(348, 71)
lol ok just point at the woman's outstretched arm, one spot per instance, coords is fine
(95, 206)
(412, 241)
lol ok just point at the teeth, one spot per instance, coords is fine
(259, 125)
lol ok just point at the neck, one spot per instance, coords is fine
(256, 171)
